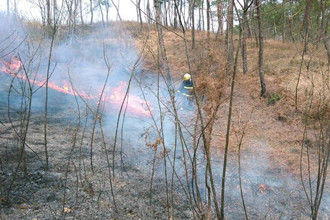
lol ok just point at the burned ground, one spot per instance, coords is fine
(40, 194)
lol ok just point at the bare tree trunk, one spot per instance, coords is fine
(8, 7)
(211, 19)
(70, 11)
(117, 9)
(81, 13)
(107, 13)
(283, 22)
(148, 12)
(192, 14)
(42, 14)
(324, 29)
(75, 12)
(244, 37)
(46, 95)
(102, 15)
(306, 24)
(91, 10)
(175, 22)
(199, 17)
(49, 20)
(203, 22)
(220, 20)
(229, 38)
(249, 21)
(223, 178)
(138, 11)
(165, 14)
(208, 18)
(169, 14)
(15, 8)
(291, 21)
(261, 49)
(54, 10)
(254, 25)
(161, 41)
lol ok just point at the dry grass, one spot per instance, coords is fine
(278, 124)
(273, 132)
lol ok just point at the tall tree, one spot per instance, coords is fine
(81, 12)
(148, 12)
(253, 23)
(261, 49)
(165, 13)
(324, 28)
(15, 8)
(208, 17)
(203, 21)
(161, 41)
(175, 19)
(106, 4)
(245, 27)
(219, 15)
(306, 23)
(8, 7)
(192, 15)
(55, 10)
(229, 37)
(49, 19)
(283, 20)
(91, 10)
(291, 21)
(138, 11)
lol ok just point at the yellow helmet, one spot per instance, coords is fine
(187, 76)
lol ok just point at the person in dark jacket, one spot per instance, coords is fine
(186, 89)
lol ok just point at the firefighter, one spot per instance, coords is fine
(186, 89)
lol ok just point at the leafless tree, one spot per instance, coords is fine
(314, 180)
(261, 49)
(306, 24)
(291, 21)
(91, 10)
(220, 17)
(138, 11)
(148, 12)
(208, 17)
(49, 71)
(192, 15)
(324, 29)
(8, 7)
(161, 40)
(223, 178)
(229, 37)
(244, 25)
(81, 12)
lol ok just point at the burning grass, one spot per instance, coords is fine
(270, 151)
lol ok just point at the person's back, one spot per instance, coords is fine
(187, 86)
(186, 89)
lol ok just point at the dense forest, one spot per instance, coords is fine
(196, 109)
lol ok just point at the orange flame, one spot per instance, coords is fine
(12, 67)
(112, 96)
(263, 188)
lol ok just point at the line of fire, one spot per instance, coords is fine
(113, 96)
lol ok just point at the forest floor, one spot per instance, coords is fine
(270, 152)
(77, 192)
(272, 120)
